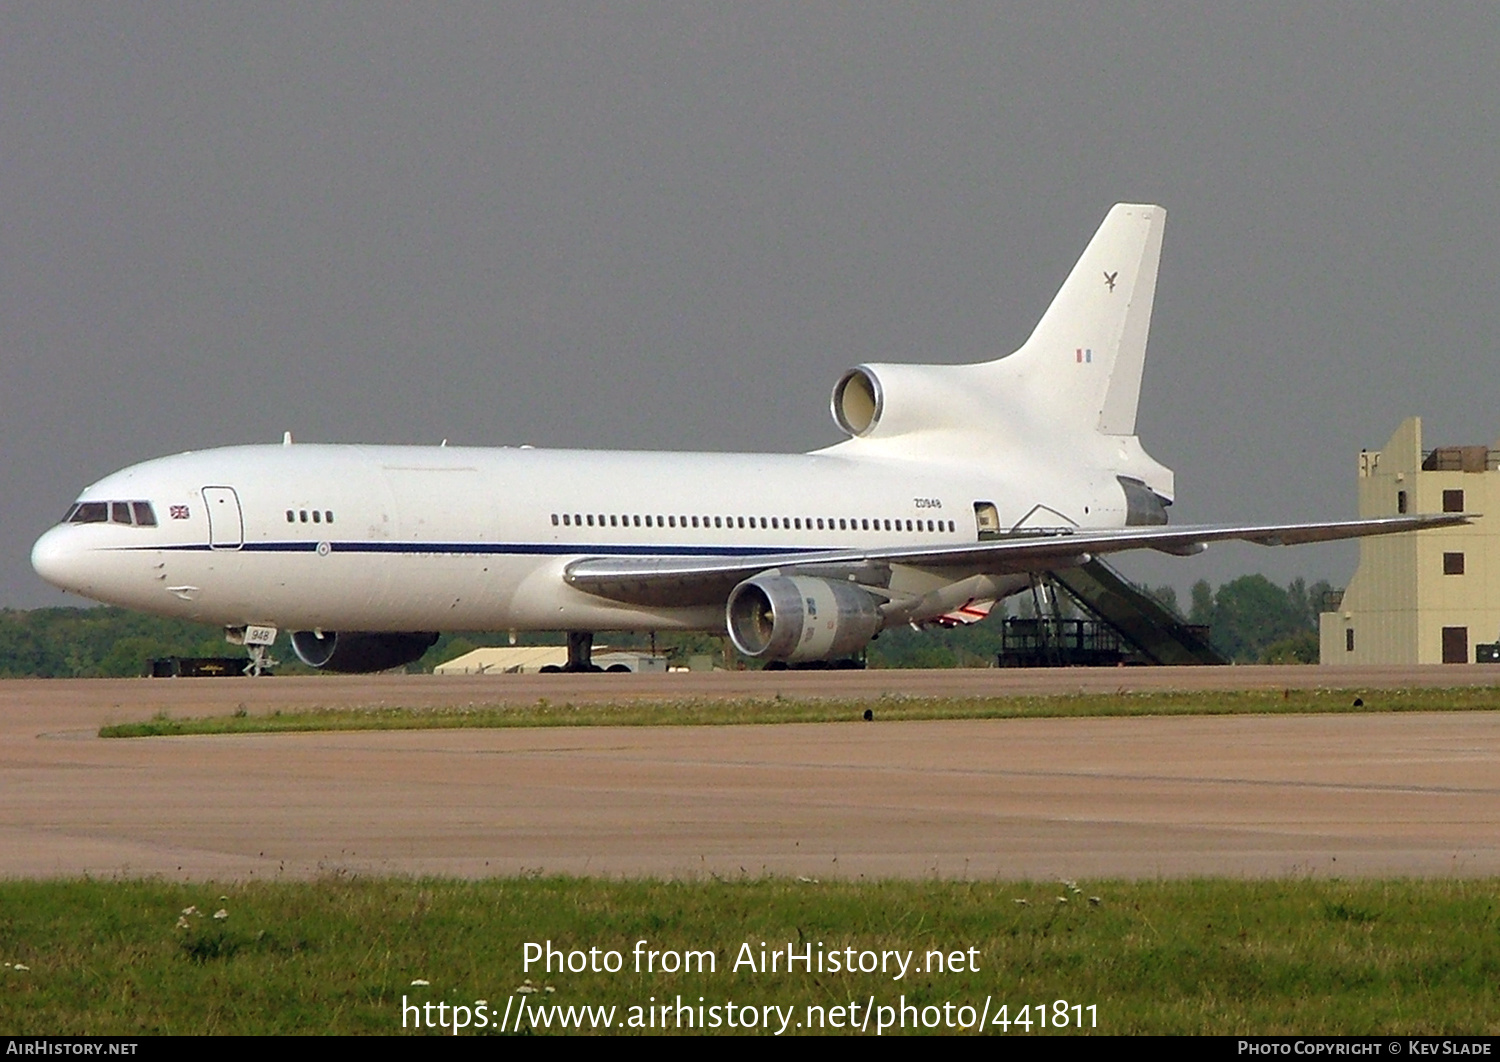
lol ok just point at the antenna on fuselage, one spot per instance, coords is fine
(286, 438)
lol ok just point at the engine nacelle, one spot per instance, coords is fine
(799, 618)
(353, 652)
(883, 400)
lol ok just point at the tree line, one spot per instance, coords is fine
(1251, 620)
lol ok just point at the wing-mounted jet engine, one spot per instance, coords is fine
(796, 619)
(353, 652)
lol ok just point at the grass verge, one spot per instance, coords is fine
(341, 955)
(779, 710)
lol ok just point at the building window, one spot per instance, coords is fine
(1349, 639)
(1453, 501)
(1401, 502)
(1453, 563)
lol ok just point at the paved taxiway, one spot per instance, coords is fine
(1326, 795)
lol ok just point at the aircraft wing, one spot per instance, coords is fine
(699, 580)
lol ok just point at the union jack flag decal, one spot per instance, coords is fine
(178, 512)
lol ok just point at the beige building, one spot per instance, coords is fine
(530, 659)
(1430, 597)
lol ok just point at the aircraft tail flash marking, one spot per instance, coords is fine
(1084, 356)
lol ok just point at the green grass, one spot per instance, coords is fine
(339, 955)
(885, 708)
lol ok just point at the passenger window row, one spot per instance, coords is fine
(295, 516)
(130, 513)
(773, 523)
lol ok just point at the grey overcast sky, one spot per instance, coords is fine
(673, 225)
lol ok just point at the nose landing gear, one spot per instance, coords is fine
(257, 642)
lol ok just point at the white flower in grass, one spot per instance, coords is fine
(221, 914)
(191, 911)
(421, 982)
(22, 967)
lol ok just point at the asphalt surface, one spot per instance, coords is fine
(1347, 795)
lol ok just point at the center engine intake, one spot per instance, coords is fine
(801, 618)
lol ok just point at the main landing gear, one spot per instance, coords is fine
(580, 654)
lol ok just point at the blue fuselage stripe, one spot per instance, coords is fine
(560, 549)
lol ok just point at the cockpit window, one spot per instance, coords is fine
(137, 513)
(89, 513)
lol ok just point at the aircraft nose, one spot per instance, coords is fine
(56, 559)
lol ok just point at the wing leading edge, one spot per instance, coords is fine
(701, 580)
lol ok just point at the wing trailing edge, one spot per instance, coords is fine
(702, 580)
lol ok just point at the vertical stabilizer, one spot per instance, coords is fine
(1083, 362)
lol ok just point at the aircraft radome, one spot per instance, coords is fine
(957, 483)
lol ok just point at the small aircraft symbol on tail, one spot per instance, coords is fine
(1109, 278)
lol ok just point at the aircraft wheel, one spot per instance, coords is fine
(550, 669)
(618, 668)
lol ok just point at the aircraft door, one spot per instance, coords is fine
(226, 524)
(987, 520)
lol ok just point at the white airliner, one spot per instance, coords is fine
(956, 485)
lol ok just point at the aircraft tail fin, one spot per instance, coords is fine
(1084, 359)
